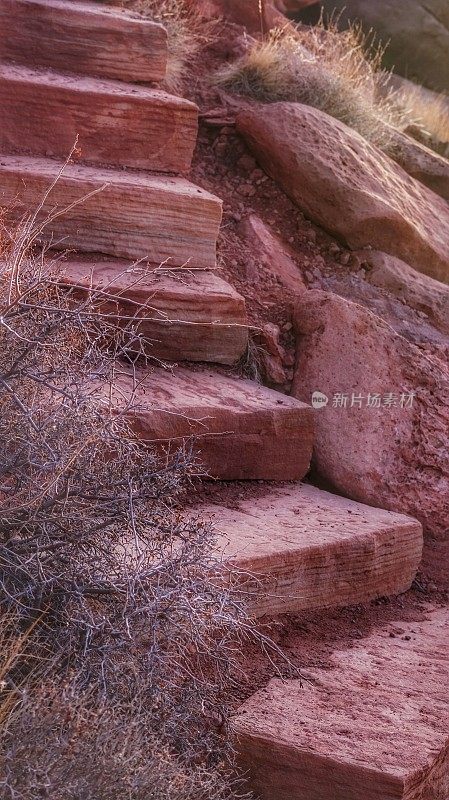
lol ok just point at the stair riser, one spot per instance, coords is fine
(124, 220)
(264, 449)
(340, 575)
(46, 116)
(213, 343)
(190, 316)
(81, 38)
(238, 429)
(177, 340)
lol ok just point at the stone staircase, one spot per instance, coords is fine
(82, 38)
(374, 727)
(81, 72)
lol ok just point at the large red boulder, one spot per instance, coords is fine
(349, 187)
(416, 290)
(382, 435)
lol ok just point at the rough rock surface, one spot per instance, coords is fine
(375, 441)
(349, 187)
(417, 290)
(269, 247)
(309, 549)
(417, 33)
(187, 316)
(414, 325)
(82, 37)
(159, 129)
(127, 214)
(240, 429)
(421, 163)
(375, 727)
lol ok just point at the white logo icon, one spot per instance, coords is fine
(319, 400)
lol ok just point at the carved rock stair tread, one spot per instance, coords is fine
(374, 727)
(82, 37)
(116, 124)
(311, 549)
(131, 215)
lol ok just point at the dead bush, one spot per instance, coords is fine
(58, 743)
(337, 72)
(430, 111)
(97, 558)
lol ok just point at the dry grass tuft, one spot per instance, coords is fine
(188, 34)
(338, 72)
(430, 111)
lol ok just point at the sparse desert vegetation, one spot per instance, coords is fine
(118, 637)
(430, 111)
(335, 71)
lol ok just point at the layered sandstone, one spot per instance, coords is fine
(302, 548)
(238, 429)
(111, 122)
(126, 214)
(88, 38)
(188, 316)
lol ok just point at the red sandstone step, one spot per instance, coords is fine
(310, 549)
(115, 123)
(239, 429)
(131, 215)
(184, 315)
(375, 727)
(82, 37)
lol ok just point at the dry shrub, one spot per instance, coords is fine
(430, 111)
(188, 34)
(58, 743)
(338, 72)
(96, 558)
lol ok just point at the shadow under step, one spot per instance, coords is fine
(184, 315)
(82, 37)
(132, 215)
(113, 123)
